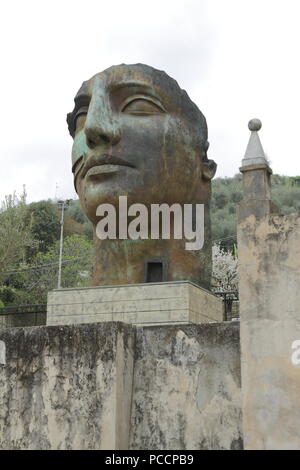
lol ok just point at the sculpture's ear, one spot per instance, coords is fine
(209, 169)
(209, 166)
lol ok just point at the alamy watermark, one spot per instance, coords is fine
(188, 222)
(295, 358)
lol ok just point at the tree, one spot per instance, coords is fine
(76, 213)
(43, 219)
(71, 226)
(41, 276)
(15, 234)
(224, 270)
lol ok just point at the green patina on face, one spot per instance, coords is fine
(137, 120)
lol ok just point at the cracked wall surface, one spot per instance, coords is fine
(115, 386)
(269, 281)
(187, 388)
(66, 387)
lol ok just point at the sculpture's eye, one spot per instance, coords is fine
(80, 119)
(140, 106)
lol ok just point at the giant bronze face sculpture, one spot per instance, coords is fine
(137, 134)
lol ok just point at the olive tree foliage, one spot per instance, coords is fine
(224, 269)
(15, 234)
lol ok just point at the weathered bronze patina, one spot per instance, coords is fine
(137, 134)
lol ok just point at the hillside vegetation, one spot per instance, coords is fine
(29, 238)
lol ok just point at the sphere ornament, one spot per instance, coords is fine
(254, 125)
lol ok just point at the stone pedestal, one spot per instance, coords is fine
(152, 303)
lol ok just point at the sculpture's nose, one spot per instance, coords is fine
(101, 126)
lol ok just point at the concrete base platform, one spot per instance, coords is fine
(140, 304)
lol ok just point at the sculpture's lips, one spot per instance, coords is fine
(95, 162)
(102, 170)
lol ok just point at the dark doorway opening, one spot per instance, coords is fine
(154, 271)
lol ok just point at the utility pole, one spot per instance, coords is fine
(62, 205)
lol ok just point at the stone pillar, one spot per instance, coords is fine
(269, 275)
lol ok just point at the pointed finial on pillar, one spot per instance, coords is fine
(254, 154)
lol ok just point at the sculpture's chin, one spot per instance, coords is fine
(183, 185)
(91, 200)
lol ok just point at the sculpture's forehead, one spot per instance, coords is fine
(150, 80)
(139, 74)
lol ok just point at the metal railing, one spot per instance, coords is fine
(23, 315)
(229, 298)
(17, 309)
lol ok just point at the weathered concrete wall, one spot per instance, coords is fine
(66, 387)
(80, 387)
(187, 388)
(269, 272)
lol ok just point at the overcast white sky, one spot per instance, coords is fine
(237, 60)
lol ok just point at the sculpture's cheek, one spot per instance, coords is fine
(79, 147)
